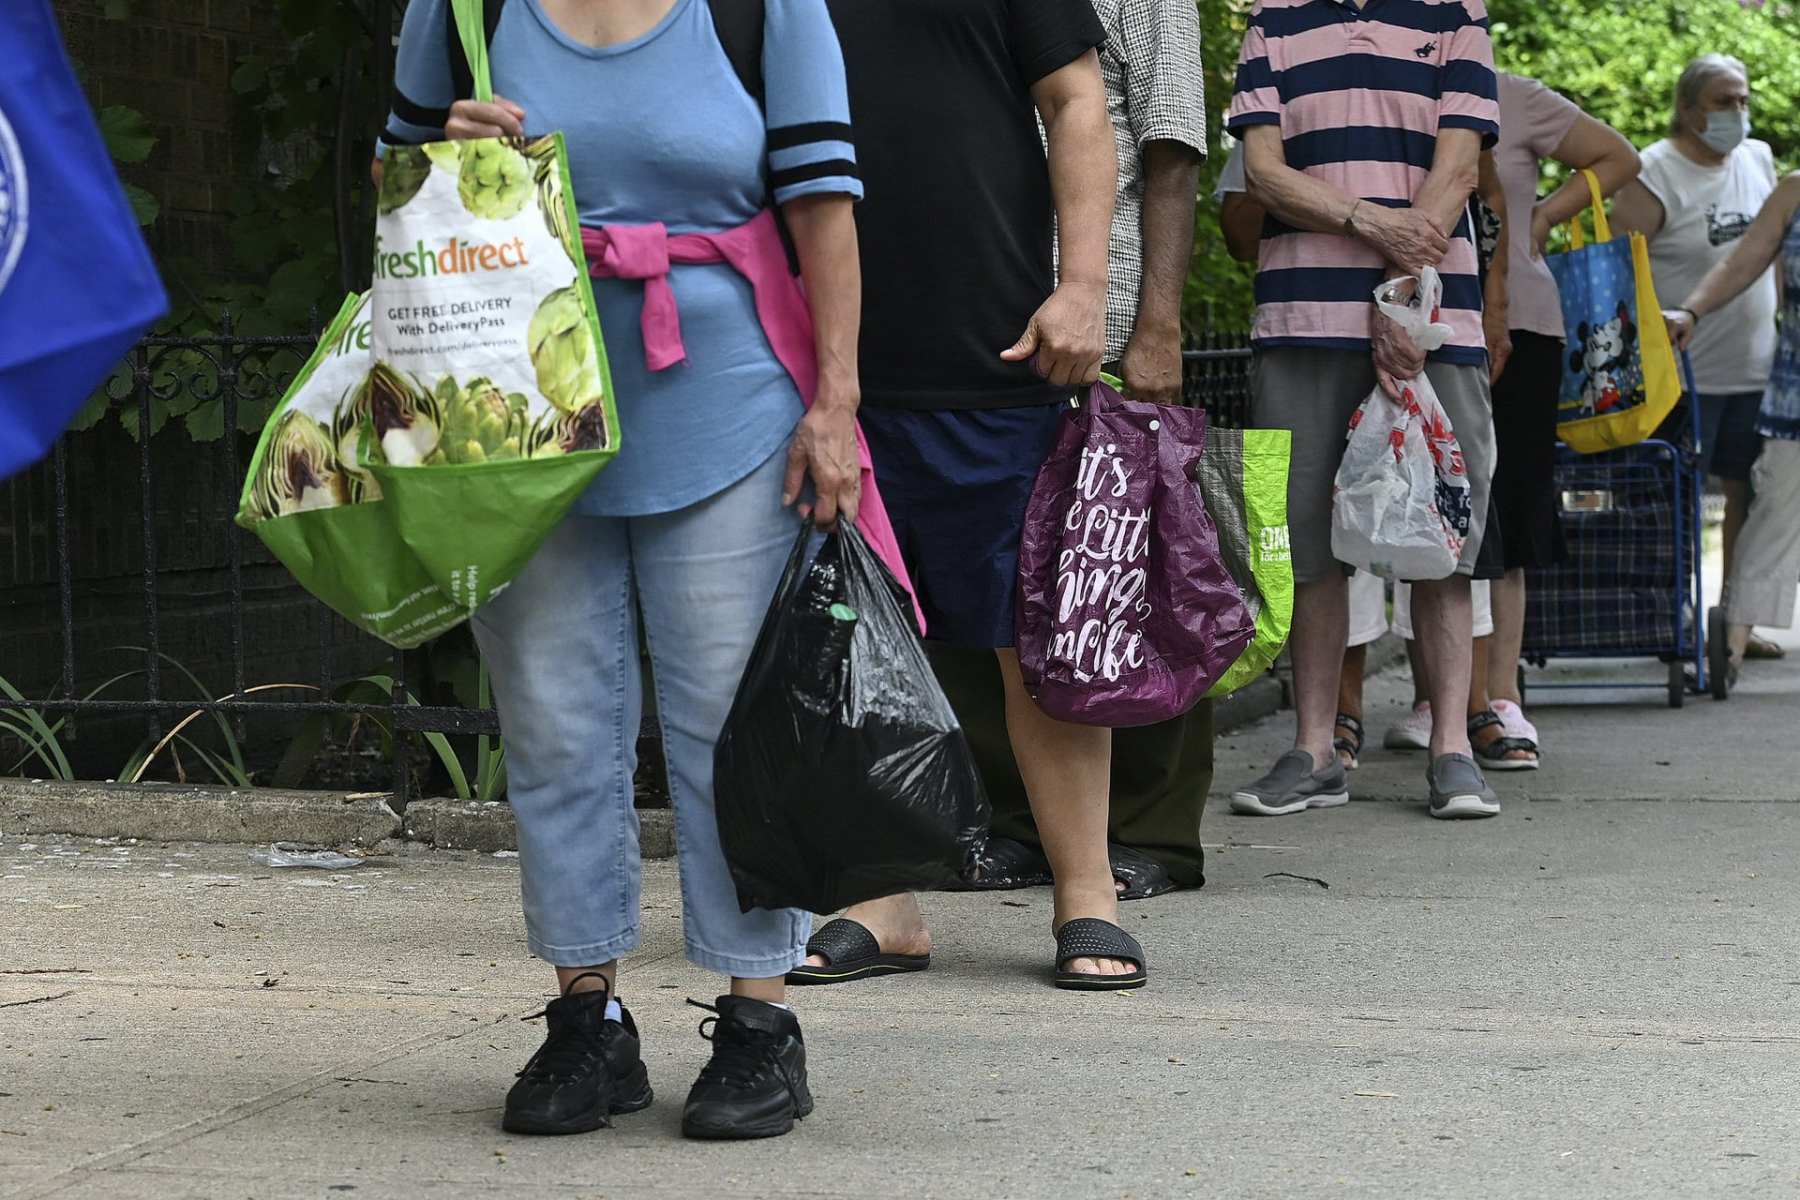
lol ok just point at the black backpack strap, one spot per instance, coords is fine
(462, 77)
(739, 24)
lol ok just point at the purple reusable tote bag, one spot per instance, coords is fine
(1126, 613)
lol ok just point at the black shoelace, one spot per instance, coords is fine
(740, 1058)
(568, 1052)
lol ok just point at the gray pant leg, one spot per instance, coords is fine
(1463, 391)
(1311, 393)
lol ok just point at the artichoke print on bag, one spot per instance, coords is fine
(403, 173)
(301, 472)
(562, 351)
(450, 416)
(495, 180)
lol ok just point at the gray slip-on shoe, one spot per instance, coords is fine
(1458, 790)
(1292, 786)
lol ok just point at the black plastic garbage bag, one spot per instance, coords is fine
(842, 774)
(1004, 865)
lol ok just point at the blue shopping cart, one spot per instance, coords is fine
(1630, 585)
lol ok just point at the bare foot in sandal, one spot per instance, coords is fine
(1495, 750)
(1347, 740)
(1073, 903)
(897, 923)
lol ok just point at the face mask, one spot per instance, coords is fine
(1725, 131)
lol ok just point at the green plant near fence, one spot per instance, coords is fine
(489, 782)
(44, 755)
(304, 124)
(41, 737)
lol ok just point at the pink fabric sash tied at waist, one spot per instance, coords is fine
(646, 252)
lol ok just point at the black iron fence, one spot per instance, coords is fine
(114, 541)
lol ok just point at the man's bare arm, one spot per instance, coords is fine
(1083, 165)
(1410, 238)
(1066, 337)
(1241, 221)
(1637, 210)
(1455, 174)
(1152, 364)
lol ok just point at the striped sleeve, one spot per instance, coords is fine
(1470, 97)
(422, 86)
(1255, 99)
(811, 147)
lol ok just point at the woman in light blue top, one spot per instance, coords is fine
(669, 122)
(1760, 589)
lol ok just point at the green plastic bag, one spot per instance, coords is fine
(449, 417)
(1243, 478)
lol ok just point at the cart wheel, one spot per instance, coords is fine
(1718, 653)
(1677, 684)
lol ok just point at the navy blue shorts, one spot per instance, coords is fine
(1728, 438)
(956, 484)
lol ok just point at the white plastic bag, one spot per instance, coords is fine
(1401, 504)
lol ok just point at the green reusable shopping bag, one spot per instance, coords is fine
(450, 417)
(1243, 478)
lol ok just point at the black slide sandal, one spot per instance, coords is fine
(1090, 937)
(851, 952)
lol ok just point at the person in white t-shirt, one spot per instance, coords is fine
(1700, 189)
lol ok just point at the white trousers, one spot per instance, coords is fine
(1766, 564)
(1368, 608)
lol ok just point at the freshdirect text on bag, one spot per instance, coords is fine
(457, 257)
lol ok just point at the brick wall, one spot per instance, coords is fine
(173, 61)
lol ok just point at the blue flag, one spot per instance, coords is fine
(77, 285)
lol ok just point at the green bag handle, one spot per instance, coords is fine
(472, 28)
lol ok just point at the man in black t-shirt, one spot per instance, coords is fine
(969, 347)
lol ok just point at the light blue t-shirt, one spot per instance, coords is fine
(661, 129)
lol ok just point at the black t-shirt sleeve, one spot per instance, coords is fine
(1048, 35)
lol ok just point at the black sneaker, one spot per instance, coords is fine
(587, 1071)
(755, 1085)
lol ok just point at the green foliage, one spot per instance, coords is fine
(35, 739)
(126, 133)
(28, 726)
(490, 752)
(41, 738)
(129, 140)
(1218, 293)
(299, 225)
(1620, 62)
(452, 663)
(304, 128)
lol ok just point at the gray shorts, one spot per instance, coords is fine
(1312, 393)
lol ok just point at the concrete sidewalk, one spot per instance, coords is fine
(1597, 994)
(1584, 998)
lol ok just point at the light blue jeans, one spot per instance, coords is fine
(561, 645)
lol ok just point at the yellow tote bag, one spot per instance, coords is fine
(1619, 377)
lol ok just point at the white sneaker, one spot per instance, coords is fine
(1411, 732)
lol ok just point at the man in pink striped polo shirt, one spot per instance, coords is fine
(1363, 122)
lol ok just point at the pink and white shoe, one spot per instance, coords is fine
(1411, 732)
(1512, 719)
